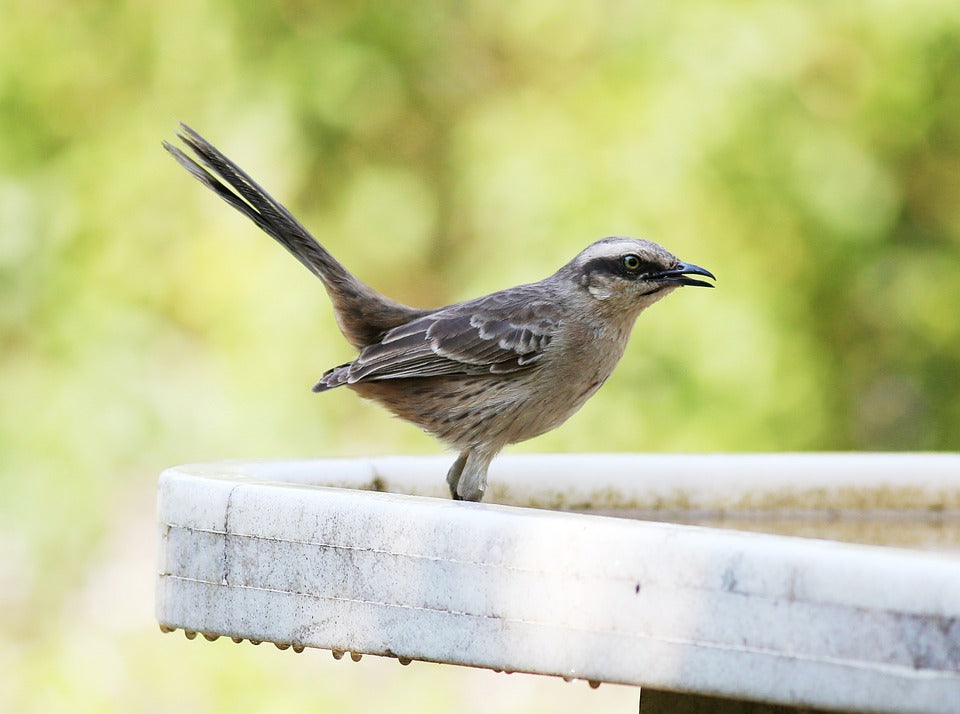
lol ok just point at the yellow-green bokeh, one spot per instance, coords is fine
(808, 153)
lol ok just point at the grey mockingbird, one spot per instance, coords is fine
(483, 373)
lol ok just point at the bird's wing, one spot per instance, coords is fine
(502, 332)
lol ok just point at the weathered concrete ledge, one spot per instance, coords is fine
(264, 551)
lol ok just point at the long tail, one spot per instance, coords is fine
(362, 313)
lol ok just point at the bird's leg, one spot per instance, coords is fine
(453, 475)
(471, 474)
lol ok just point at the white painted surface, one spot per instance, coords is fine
(651, 481)
(259, 551)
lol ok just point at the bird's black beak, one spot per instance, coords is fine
(678, 275)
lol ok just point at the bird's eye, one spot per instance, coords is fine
(631, 262)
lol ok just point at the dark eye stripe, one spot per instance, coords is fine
(603, 265)
(615, 266)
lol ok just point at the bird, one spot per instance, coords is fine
(483, 373)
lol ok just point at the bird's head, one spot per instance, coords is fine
(629, 274)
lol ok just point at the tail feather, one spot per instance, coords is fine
(253, 201)
(363, 314)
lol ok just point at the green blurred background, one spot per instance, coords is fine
(808, 153)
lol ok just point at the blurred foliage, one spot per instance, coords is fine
(806, 152)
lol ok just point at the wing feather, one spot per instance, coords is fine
(500, 333)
